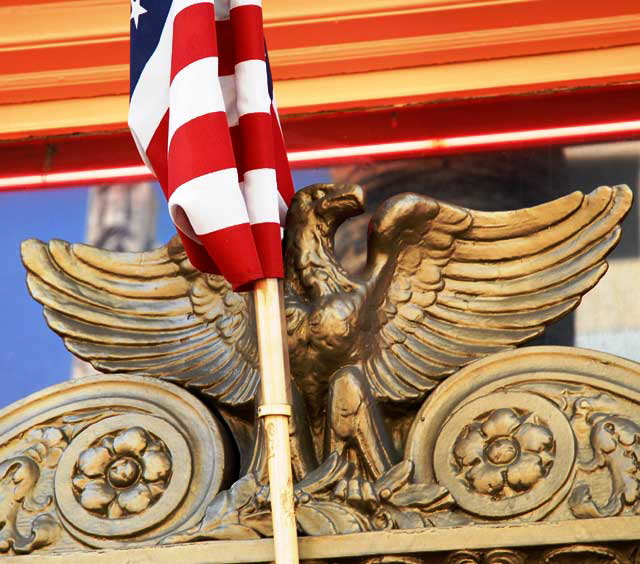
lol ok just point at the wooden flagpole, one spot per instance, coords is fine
(275, 411)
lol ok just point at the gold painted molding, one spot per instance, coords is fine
(85, 114)
(458, 77)
(26, 24)
(354, 90)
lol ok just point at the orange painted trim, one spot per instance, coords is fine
(443, 48)
(361, 90)
(57, 117)
(43, 41)
(33, 87)
(541, 88)
(456, 17)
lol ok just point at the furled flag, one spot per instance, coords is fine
(203, 117)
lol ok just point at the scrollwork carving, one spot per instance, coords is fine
(615, 442)
(19, 477)
(20, 480)
(104, 449)
(328, 502)
(584, 554)
(496, 556)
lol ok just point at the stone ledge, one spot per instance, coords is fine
(376, 543)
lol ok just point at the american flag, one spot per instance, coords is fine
(203, 117)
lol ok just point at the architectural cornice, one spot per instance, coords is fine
(358, 90)
(281, 12)
(46, 48)
(447, 47)
(64, 64)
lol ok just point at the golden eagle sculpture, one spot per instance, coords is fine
(443, 286)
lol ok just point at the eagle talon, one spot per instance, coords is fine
(263, 496)
(340, 491)
(357, 492)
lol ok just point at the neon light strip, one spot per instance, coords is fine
(364, 150)
(540, 134)
(58, 178)
(404, 147)
(466, 141)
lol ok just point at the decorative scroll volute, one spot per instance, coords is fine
(107, 461)
(521, 432)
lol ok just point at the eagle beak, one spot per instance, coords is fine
(344, 201)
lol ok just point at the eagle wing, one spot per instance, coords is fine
(451, 285)
(151, 313)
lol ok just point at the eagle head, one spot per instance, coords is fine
(325, 206)
(316, 212)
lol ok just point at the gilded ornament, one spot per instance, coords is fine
(102, 480)
(504, 454)
(122, 474)
(443, 286)
(585, 554)
(518, 449)
(103, 449)
(615, 442)
(19, 477)
(377, 441)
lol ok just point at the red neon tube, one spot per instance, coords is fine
(332, 154)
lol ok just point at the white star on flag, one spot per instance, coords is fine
(136, 11)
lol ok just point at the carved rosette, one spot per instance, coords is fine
(120, 475)
(539, 433)
(505, 454)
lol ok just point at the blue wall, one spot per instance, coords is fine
(32, 356)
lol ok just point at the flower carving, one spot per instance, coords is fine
(122, 474)
(505, 453)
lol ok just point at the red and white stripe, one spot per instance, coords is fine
(203, 120)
